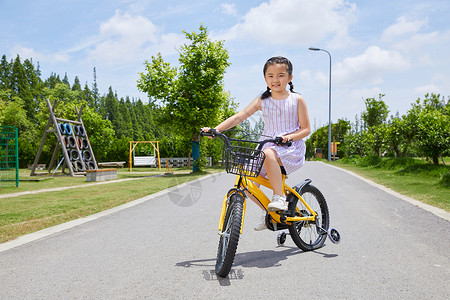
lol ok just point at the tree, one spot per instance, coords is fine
(20, 87)
(76, 84)
(35, 84)
(397, 135)
(66, 80)
(192, 96)
(375, 119)
(88, 96)
(13, 113)
(319, 139)
(52, 81)
(376, 112)
(95, 93)
(433, 126)
(111, 110)
(5, 74)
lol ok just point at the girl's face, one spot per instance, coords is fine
(277, 77)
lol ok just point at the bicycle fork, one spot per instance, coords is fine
(225, 204)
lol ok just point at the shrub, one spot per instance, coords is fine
(398, 162)
(369, 161)
(445, 180)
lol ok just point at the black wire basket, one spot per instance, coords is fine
(244, 159)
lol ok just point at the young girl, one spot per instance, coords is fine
(285, 115)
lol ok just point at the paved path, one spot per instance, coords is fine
(63, 188)
(165, 247)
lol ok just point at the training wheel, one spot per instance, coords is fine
(281, 238)
(334, 235)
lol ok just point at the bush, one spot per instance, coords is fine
(445, 180)
(398, 162)
(369, 161)
(427, 169)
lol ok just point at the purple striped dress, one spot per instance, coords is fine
(281, 118)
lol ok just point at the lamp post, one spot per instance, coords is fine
(329, 103)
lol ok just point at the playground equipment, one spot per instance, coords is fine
(74, 142)
(144, 160)
(168, 167)
(9, 156)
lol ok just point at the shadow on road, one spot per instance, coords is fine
(254, 259)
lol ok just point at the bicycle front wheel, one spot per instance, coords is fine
(310, 235)
(229, 237)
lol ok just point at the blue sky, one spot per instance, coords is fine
(398, 48)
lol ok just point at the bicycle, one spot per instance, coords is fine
(307, 217)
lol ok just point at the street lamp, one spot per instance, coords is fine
(329, 103)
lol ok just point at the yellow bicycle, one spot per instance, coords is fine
(307, 217)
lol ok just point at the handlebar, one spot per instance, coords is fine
(213, 133)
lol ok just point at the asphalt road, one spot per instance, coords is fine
(165, 248)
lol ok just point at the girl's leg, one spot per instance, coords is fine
(262, 220)
(272, 164)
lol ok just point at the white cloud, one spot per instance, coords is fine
(122, 38)
(298, 22)
(126, 39)
(427, 89)
(364, 93)
(25, 52)
(401, 28)
(369, 66)
(437, 84)
(229, 8)
(307, 78)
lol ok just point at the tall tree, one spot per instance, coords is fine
(375, 121)
(191, 96)
(76, 84)
(21, 88)
(52, 81)
(88, 97)
(66, 80)
(432, 124)
(5, 74)
(95, 93)
(376, 112)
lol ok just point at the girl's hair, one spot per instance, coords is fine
(278, 60)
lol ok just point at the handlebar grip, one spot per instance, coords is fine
(279, 141)
(212, 132)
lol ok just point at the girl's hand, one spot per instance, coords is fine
(286, 138)
(207, 129)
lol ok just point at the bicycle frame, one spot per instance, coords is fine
(249, 184)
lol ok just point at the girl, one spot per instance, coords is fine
(285, 115)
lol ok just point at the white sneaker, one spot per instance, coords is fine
(262, 223)
(278, 203)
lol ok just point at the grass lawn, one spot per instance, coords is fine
(420, 180)
(29, 213)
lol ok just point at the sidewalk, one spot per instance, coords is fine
(71, 187)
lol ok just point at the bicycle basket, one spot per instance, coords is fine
(244, 159)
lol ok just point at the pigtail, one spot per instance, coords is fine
(266, 94)
(291, 87)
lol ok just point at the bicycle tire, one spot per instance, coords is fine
(229, 237)
(309, 235)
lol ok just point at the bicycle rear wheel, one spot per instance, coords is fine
(229, 237)
(310, 235)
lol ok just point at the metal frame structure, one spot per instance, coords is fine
(52, 127)
(9, 155)
(133, 145)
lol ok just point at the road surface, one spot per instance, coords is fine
(165, 248)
